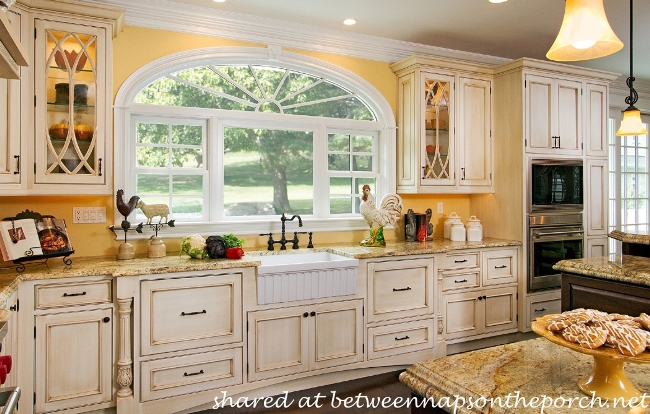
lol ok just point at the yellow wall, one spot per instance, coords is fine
(135, 47)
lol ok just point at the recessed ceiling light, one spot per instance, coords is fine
(491, 1)
(350, 22)
(219, 1)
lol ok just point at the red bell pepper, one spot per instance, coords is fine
(234, 253)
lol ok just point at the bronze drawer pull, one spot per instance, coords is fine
(67, 295)
(193, 313)
(185, 374)
(460, 281)
(500, 267)
(400, 290)
(401, 339)
(540, 310)
(460, 261)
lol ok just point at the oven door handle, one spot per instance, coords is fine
(557, 233)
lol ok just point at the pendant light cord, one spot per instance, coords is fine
(631, 100)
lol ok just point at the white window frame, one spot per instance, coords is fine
(125, 109)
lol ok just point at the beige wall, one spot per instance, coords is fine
(135, 47)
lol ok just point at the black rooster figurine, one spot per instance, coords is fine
(125, 208)
(125, 250)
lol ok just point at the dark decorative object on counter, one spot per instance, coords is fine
(418, 226)
(216, 247)
(125, 251)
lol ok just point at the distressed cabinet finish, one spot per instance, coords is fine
(297, 339)
(444, 126)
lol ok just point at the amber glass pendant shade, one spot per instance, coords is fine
(585, 33)
(631, 124)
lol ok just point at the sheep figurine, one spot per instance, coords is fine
(152, 210)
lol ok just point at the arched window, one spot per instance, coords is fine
(236, 139)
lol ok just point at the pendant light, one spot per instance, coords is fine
(585, 33)
(631, 124)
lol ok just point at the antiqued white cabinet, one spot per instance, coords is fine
(10, 128)
(479, 293)
(444, 126)
(553, 115)
(71, 362)
(297, 339)
(66, 129)
(597, 110)
(541, 303)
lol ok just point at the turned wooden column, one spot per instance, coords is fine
(125, 363)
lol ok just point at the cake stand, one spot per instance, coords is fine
(607, 380)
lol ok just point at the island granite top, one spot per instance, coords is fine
(642, 237)
(524, 370)
(625, 268)
(109, 266)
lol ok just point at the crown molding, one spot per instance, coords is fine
(192, 19)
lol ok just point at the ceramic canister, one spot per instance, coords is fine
(457, 232)
(451, 219)
(474, 229)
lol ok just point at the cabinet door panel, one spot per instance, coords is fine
(462, 313)
(338, 334)
(500, 309)
(597, 114)
(539, 129)
(474, 142)
(568, 115)
(277, 342)
(597, 197)
(188, 312)
(73, 359)
(597, 246)
(10, 122)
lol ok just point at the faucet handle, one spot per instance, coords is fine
(310, 245)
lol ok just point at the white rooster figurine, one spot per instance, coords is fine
(389, 212)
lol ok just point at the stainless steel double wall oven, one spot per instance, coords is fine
(555, 229)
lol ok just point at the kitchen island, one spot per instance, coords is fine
(511, 375)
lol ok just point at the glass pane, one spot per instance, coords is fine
(340, 206)
(187, 134)
(151, 157)
(643, 140)
(212, 80)
(322, 90)
(152, 184)
(642, 186)
(187, 157)
(152, 199)
(630, 162)
(270, 78)
(630, 187)
(338, 142)
(360, 182)
(294, 83)
(152, 133)
(361, 163)
(344, 108)
(187, 184)
(362, 143)
(338, 162)
(341, 185)
(187, 207)
(642, 160)
(268, 172)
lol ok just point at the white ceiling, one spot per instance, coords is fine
(516, 28)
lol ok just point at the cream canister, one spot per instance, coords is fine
(474, 229)
(457, 232)
(451, 219)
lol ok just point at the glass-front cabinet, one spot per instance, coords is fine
(70, 130)
(437, 120)
(444, 142)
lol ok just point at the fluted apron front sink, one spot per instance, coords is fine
(302, 276)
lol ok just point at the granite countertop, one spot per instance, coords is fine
(96, 266)
(637, 238)
(527, 369)
(625, 268)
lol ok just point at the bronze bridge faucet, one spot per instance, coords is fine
(283, 241)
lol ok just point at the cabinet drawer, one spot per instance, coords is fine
(400, 288)
(72, 294)
(400, 338)
(500, 266)
(545, 307)
(454, 261)
(186, 313)
(459, 280)
(169, 377)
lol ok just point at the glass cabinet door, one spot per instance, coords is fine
(438, 122)
(69, 134)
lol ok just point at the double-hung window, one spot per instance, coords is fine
(236, 144)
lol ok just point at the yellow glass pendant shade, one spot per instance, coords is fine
(585, 33)
(631, 124)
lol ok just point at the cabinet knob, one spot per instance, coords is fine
(106, 319)
(304, 315)
(312, 313)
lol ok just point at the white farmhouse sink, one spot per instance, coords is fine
(302, 276)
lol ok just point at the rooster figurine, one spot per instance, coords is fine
(389, 212)
(125, 208)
